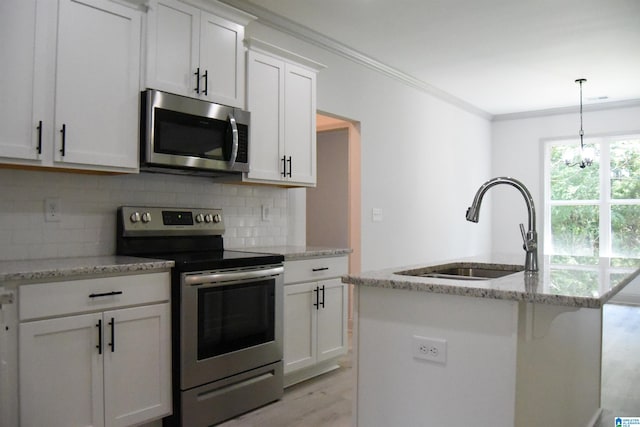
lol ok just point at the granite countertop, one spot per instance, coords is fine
(292, 253)
(55, 268)
(568, 281)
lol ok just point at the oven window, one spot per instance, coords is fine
(234, 317)
(188, 135)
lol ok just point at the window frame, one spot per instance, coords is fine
(605, 201)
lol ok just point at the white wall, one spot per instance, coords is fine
(422, 160)
(328, 202)
(517, 151)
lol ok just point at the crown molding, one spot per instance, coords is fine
(629, 103)
(310, 36)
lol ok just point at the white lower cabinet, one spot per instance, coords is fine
(104, 368)
(315, 317)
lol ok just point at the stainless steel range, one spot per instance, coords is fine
(227, 312)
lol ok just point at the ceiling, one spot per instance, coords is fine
(500, 56)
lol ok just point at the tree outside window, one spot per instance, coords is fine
(595, 211)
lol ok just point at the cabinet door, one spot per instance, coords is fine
(332, 320)
(300, 123)
(97, 84)
(222, 58)
(60, 372)
(137, 364)
(173, 46)
(18, 133)
(265, 94)
(299, 326)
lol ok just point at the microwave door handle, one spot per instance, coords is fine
(234, 137)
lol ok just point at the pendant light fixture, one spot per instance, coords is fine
(585, 158)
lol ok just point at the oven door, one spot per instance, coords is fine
(231, 322)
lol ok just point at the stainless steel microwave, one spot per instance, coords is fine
(190, 136)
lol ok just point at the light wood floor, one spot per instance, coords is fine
(326, 401)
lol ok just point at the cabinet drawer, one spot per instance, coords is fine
(85, 295)
(315, 269)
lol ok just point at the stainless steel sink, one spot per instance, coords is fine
(464, 271)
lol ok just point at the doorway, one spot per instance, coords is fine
(333, 207)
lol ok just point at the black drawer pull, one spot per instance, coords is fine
(197, 74)
(317, 303)
(106, 294)
(39, 137)
(99, 326)
(63, 131)
(320, 269)
(112, 344)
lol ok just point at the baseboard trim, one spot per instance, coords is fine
(310, 372)
(595, 420)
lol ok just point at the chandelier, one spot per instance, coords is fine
(586, 156)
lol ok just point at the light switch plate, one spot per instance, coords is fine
(376, 215)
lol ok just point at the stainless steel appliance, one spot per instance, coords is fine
(227, 312)
(190, 136)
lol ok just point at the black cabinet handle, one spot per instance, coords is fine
(290, 167)
(320, 269)
(206, 82)
(99, 326)
(197, 74)
(105, 294)
(322, 296)
(317, 303)
(112, 344)
(39, 137)
(284, 165)
(63, 131)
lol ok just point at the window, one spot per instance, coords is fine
(595, 211)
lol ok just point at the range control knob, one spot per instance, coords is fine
(217, 218)
(146, 217)
(199, 218)
(208, 218)
(135, 217)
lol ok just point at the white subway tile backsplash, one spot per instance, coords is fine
(89, 202)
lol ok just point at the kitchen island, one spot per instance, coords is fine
(521, 350)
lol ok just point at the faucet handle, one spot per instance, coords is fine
(525, 245)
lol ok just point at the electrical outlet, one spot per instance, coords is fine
(52, 209)
(432, 349)
(266, 213)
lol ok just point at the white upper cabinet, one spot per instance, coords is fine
(18, 135)
(97, 84)
(72, 73)
(281, 96)
(195, 52)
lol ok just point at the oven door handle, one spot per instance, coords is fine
(221, 277)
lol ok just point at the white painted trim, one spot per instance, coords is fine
(223, 10)
(310, 36)
(593, 422)
(270, 49)
(567, 110)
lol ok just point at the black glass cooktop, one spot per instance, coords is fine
(195, 261)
